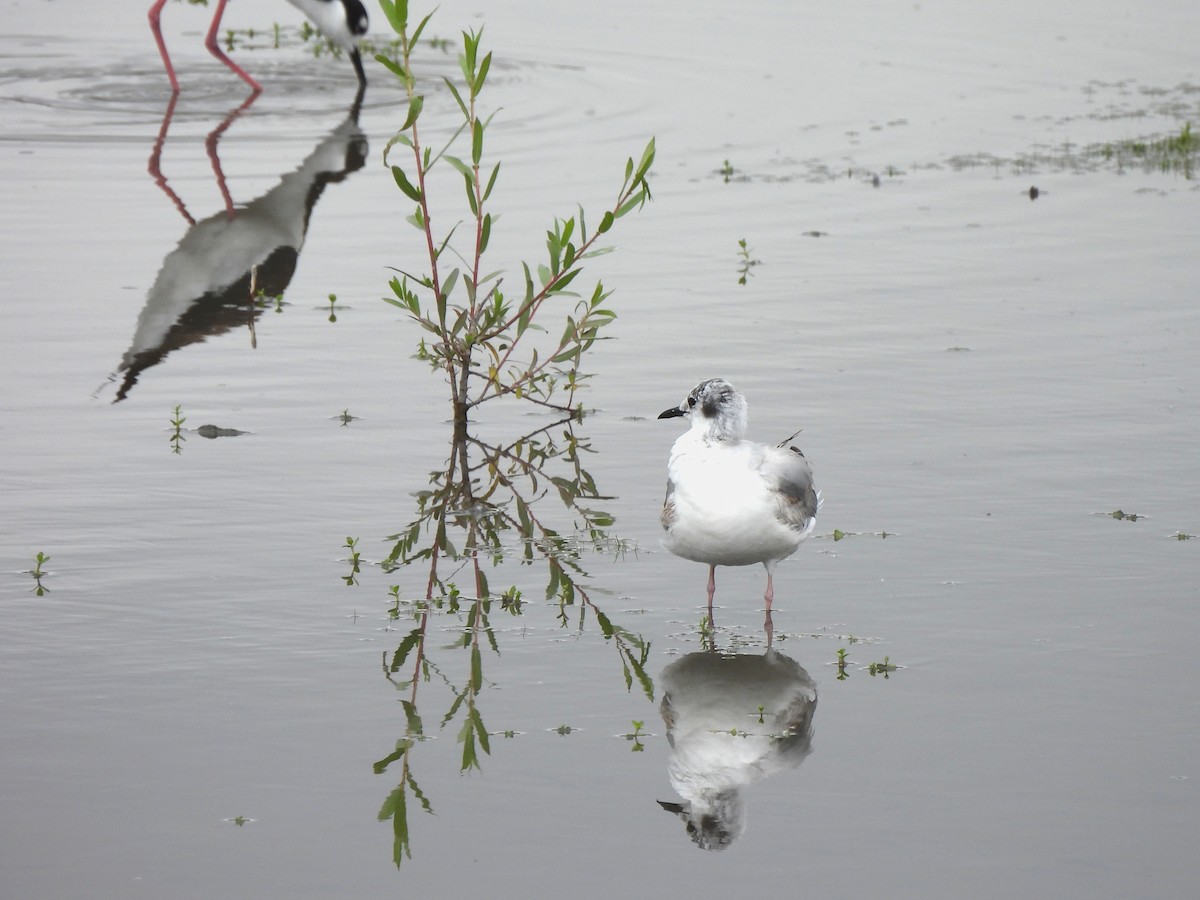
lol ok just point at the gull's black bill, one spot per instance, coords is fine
(671, 413)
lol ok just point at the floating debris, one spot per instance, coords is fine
(1121, 515)
(213, 431)
(839, 535)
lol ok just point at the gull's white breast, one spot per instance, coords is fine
(721, 510)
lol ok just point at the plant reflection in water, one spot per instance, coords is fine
(491, 504)
(731, 720)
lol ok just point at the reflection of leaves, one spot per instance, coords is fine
(472, 730)
(406, 647)
(395, 807)
(628, 642)
(492, 504)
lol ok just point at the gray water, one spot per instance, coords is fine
(198, 704)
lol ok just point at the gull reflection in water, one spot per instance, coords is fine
(204, 287)
(731, 720)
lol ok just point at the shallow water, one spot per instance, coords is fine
(983, 377)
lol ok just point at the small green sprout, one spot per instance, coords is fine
(352, 578)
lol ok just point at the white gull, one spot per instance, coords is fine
(733, 502)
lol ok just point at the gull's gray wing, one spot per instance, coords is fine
(789, 475)
(667, 517)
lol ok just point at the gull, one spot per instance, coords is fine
(733, 502)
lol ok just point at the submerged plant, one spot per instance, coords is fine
(483, 339)
(882, 668)
(351, 578)
(746, 262)
(1121, 515)
(38, 574)
(1175, 153)
(177, 438)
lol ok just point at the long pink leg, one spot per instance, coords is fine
(770, 594)
(155, 164)
(214, 158)
(153, 15)
(214, 47)
(712, 587)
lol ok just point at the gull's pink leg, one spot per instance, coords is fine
(154, 15)
(214, 47)
(770, 594)
(712, 588)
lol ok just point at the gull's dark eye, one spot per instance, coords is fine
(691, 400)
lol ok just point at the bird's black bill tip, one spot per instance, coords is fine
(671, 413)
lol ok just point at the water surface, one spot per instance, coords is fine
(982, 376)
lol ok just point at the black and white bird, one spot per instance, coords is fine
(208, 283)
(733, 502)
(343, 22)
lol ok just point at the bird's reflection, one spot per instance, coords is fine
(731, 720)
(204, 287)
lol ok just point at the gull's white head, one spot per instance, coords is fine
(716, 409)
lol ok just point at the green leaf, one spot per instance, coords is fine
(413, 721)
(476, 142)
(565, 279)
(481, 731)
(491, 182)
(410, 641)
(461, 167)
(476, 670)
(606, 222)
(416, 35)
(485, 232)
(415, 105)
(635, 200)
(457, 96)
(466, 737)
(405, 185)
(397, 14)
(471, 201)
(605, 625)
(481, 75)
(392, 66)
(398, 138)
(448, 284)
(646, 162)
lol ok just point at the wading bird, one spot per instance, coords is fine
(732, 502)
(342, 21)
